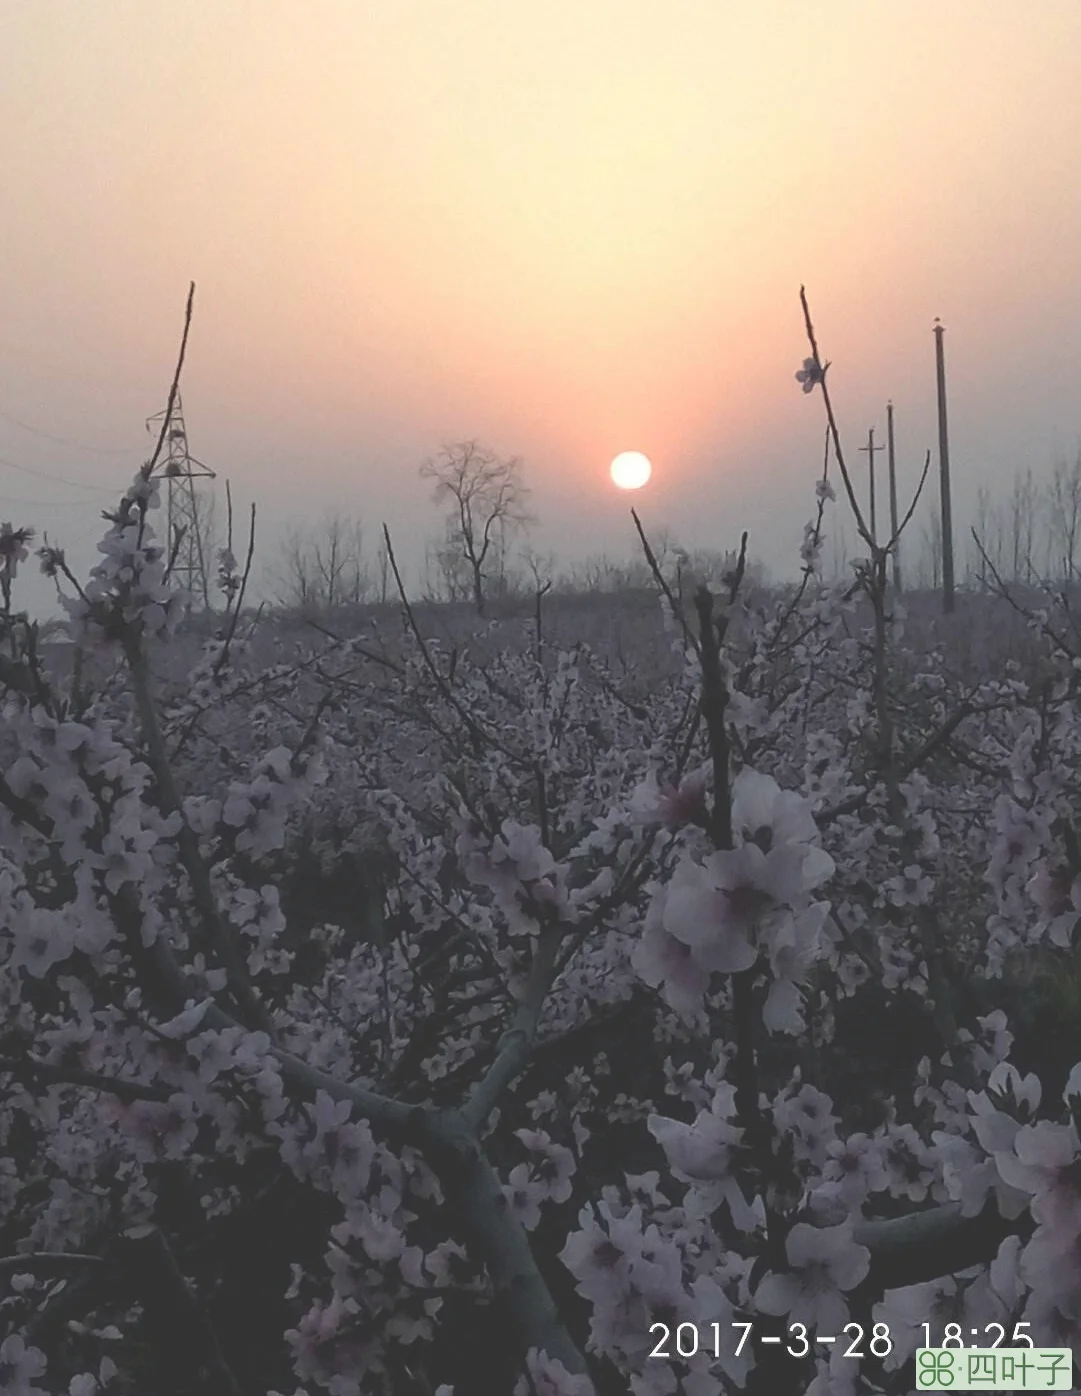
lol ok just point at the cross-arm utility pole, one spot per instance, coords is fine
(871, 448)
(944, 474)
(892, 464)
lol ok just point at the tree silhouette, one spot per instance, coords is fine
(486, 501)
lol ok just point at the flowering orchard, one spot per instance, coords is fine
(652, 1027)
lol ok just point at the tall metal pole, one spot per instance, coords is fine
(871, 448)
(891, 461)
(944, 474)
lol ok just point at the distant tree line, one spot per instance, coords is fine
(482, 556)
(1031, 534)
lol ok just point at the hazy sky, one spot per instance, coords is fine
(567, 229)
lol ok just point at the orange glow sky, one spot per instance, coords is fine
(567, 229)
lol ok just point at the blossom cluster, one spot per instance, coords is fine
(470, 991)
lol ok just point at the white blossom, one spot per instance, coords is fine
(825, 1263)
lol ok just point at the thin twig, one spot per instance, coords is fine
(808, 570)
(235, 618)
(837, 449)
(174, 1307)
(912, 507)
(478, 734)
(175, 385)
(220, 936)
(658, 575)
(49, 1261)
(1003, 590)
(54, 1075)
(517, 1042)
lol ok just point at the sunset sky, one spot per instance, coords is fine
(567, 229)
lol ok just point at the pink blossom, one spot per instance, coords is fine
(824, 490)
(516, 862)
(652, 803)
(1054, 890)
(909, 1163)
(806, 1115)
(1045, 1162)
(825, 1263)
(912, 888)
(811, 546)
(549, 1377)
(1057, 895)
(552, 1166)
(809, 375)
(524, 1196)
(717, 907)
(667, 963)
(835, 1377)
(14, 545)
(158, 1130)
(1050, 1264)
(701, 1155)
(906, 1310)
(764, 814)
(19, 1365)
(853, 1169)
(794, 944)
(599, 1258)
(1021, 1093)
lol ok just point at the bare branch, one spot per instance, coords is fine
(223, 941)
(518, 1040)
(477, 733)
(658, 576)
(175, 385)
(222, 658)
(912, 507)
(51, 1262)
(857, 513)
(53, 1075)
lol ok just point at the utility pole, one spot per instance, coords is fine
(871, 448)
(944, 474)
(892, 463)
(185, 524)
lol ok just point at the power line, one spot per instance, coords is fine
(56, 479)
(59, 371)
(6, 499)
(66, 441)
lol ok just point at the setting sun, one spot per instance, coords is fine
(631, 470)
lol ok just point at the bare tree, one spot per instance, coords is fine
(205, 544)
(486, 502)
(1021, 521)
(1065, 517)
(323, 565)
(538, 570)
(836, 550)
(382, 568)
(601, 573)
(977, 560)
(666, 548)
(930, 571)
(446, 572)
(591, 574)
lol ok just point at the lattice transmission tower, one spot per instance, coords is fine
(183, 517)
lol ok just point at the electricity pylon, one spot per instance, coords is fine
(184, 524)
